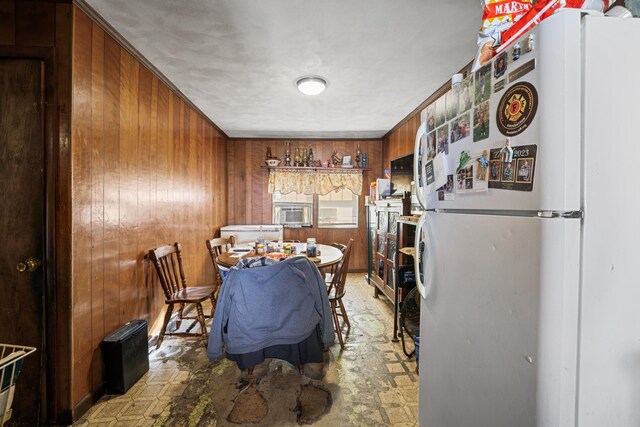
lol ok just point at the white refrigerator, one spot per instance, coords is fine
(530, 278)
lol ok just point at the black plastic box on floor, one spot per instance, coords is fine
(126, 356)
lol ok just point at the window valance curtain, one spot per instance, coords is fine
(318, 181)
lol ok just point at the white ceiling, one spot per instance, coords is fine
(238, 60)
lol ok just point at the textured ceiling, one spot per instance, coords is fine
(238, 60)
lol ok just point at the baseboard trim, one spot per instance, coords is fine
(87, 402)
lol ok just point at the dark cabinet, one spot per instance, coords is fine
(385, 244)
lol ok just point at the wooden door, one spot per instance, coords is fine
(22, 224)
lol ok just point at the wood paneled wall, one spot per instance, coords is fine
(250, 201)
(42, 30)
(401, 141)
(147, 170)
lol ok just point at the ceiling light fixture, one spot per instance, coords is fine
(311, 85)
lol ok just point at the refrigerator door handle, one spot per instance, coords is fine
(424, 277)
(418, 174)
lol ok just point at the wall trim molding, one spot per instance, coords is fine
(120, 39)
(233, 139)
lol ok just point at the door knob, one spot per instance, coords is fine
(29, 265)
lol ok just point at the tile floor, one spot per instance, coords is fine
(370, 383)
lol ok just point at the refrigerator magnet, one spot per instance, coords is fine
(530, 44)
(471, 176)
(500, 65)
(517, 175)
(516, 51)
(483, 160)
(481, 122)
(464, 159)
(521, 71)
(506, 152)
(482, 84)
(435, 173)
(517, 109)
(466, 95)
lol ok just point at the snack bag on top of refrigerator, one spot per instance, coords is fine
(541, 11)
(498, 16)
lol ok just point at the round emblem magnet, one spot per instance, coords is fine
(517, 109)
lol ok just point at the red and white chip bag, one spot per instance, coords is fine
(544, 9)
(497, 17)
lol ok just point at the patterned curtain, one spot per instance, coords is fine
(314, 181)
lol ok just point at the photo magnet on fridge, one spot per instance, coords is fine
(441, 113)
(460, 128)
(451, 102)
(431, 145)
(481, 122)
(442, 138)
(466, 95)
(483, 84)
(500, 65)
(435, 173)
(471, 174)
(518, 175)
(430, 117)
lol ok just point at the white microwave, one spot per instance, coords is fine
(293, 214)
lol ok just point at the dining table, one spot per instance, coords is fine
(327, 256)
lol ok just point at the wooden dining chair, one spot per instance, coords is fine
(332, 270)
(337, 290)
(167, 261)
(216, 247)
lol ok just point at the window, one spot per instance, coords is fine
(338, 209)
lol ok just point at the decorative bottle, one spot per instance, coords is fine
(296, 157)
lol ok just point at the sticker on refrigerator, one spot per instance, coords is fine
(481, 122)
(517, 109)
(498, 86)
(519, 72)
(516, 175)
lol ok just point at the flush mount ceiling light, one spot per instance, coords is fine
(311, 85)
